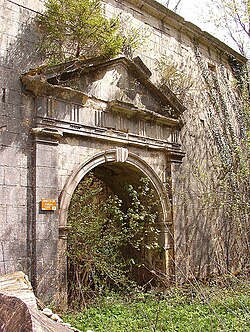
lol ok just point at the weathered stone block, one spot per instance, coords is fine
(47, 230)
(45, 192)
(1, 252)
(46, 177)
(2, 266)
(15, 265)
(18, 308)
(14, 315)
(3, 215)
(13, 195)
(1, 175)
(46, 157)
(13, 249)
(11, 156)
(12, 176)
(46, 249)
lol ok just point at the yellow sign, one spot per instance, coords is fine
(48, 204)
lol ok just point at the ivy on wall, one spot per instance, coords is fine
(228, 123)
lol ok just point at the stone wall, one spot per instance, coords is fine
(167, 36)
(18, 54)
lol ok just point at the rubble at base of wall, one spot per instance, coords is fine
(19, 311)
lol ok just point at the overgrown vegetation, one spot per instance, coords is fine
(111, 244)
(193, 307)
(228, 122)
(79, 30)
(177, 80)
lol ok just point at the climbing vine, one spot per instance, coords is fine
(228, 122)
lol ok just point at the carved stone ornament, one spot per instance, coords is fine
(121, 155)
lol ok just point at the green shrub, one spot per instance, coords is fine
(72, 29)
(110, 244)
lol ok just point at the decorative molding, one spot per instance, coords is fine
(121, 155)
(175, 156)
(47, 135)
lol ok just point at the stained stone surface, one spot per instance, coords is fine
(18, 308)
(14, 314)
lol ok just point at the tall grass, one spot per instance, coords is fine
(185, 309)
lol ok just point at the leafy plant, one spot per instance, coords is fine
(179, 309)
(78, 29)
(133, 36)
(109, 241)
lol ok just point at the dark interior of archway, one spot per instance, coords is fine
(115, 175)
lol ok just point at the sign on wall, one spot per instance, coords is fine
(48, 204)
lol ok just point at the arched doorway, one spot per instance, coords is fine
(114, 167)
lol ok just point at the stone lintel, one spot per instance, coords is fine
(121, 138)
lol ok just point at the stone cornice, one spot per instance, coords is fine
(130, 110)
(56, 130)
(164, 14)
(38, 85)
(43, 83)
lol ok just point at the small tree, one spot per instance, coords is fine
(232, 16)
(77, 29)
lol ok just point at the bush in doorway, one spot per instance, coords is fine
(107, 241)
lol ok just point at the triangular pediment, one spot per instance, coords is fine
(120, 82)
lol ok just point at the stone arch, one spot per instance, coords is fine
(114, 155)
(120, 156)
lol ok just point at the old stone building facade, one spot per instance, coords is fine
(118, 122)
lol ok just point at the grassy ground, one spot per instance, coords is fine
(186, 309)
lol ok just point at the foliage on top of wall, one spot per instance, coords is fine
(78, 29)
(174, 78)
